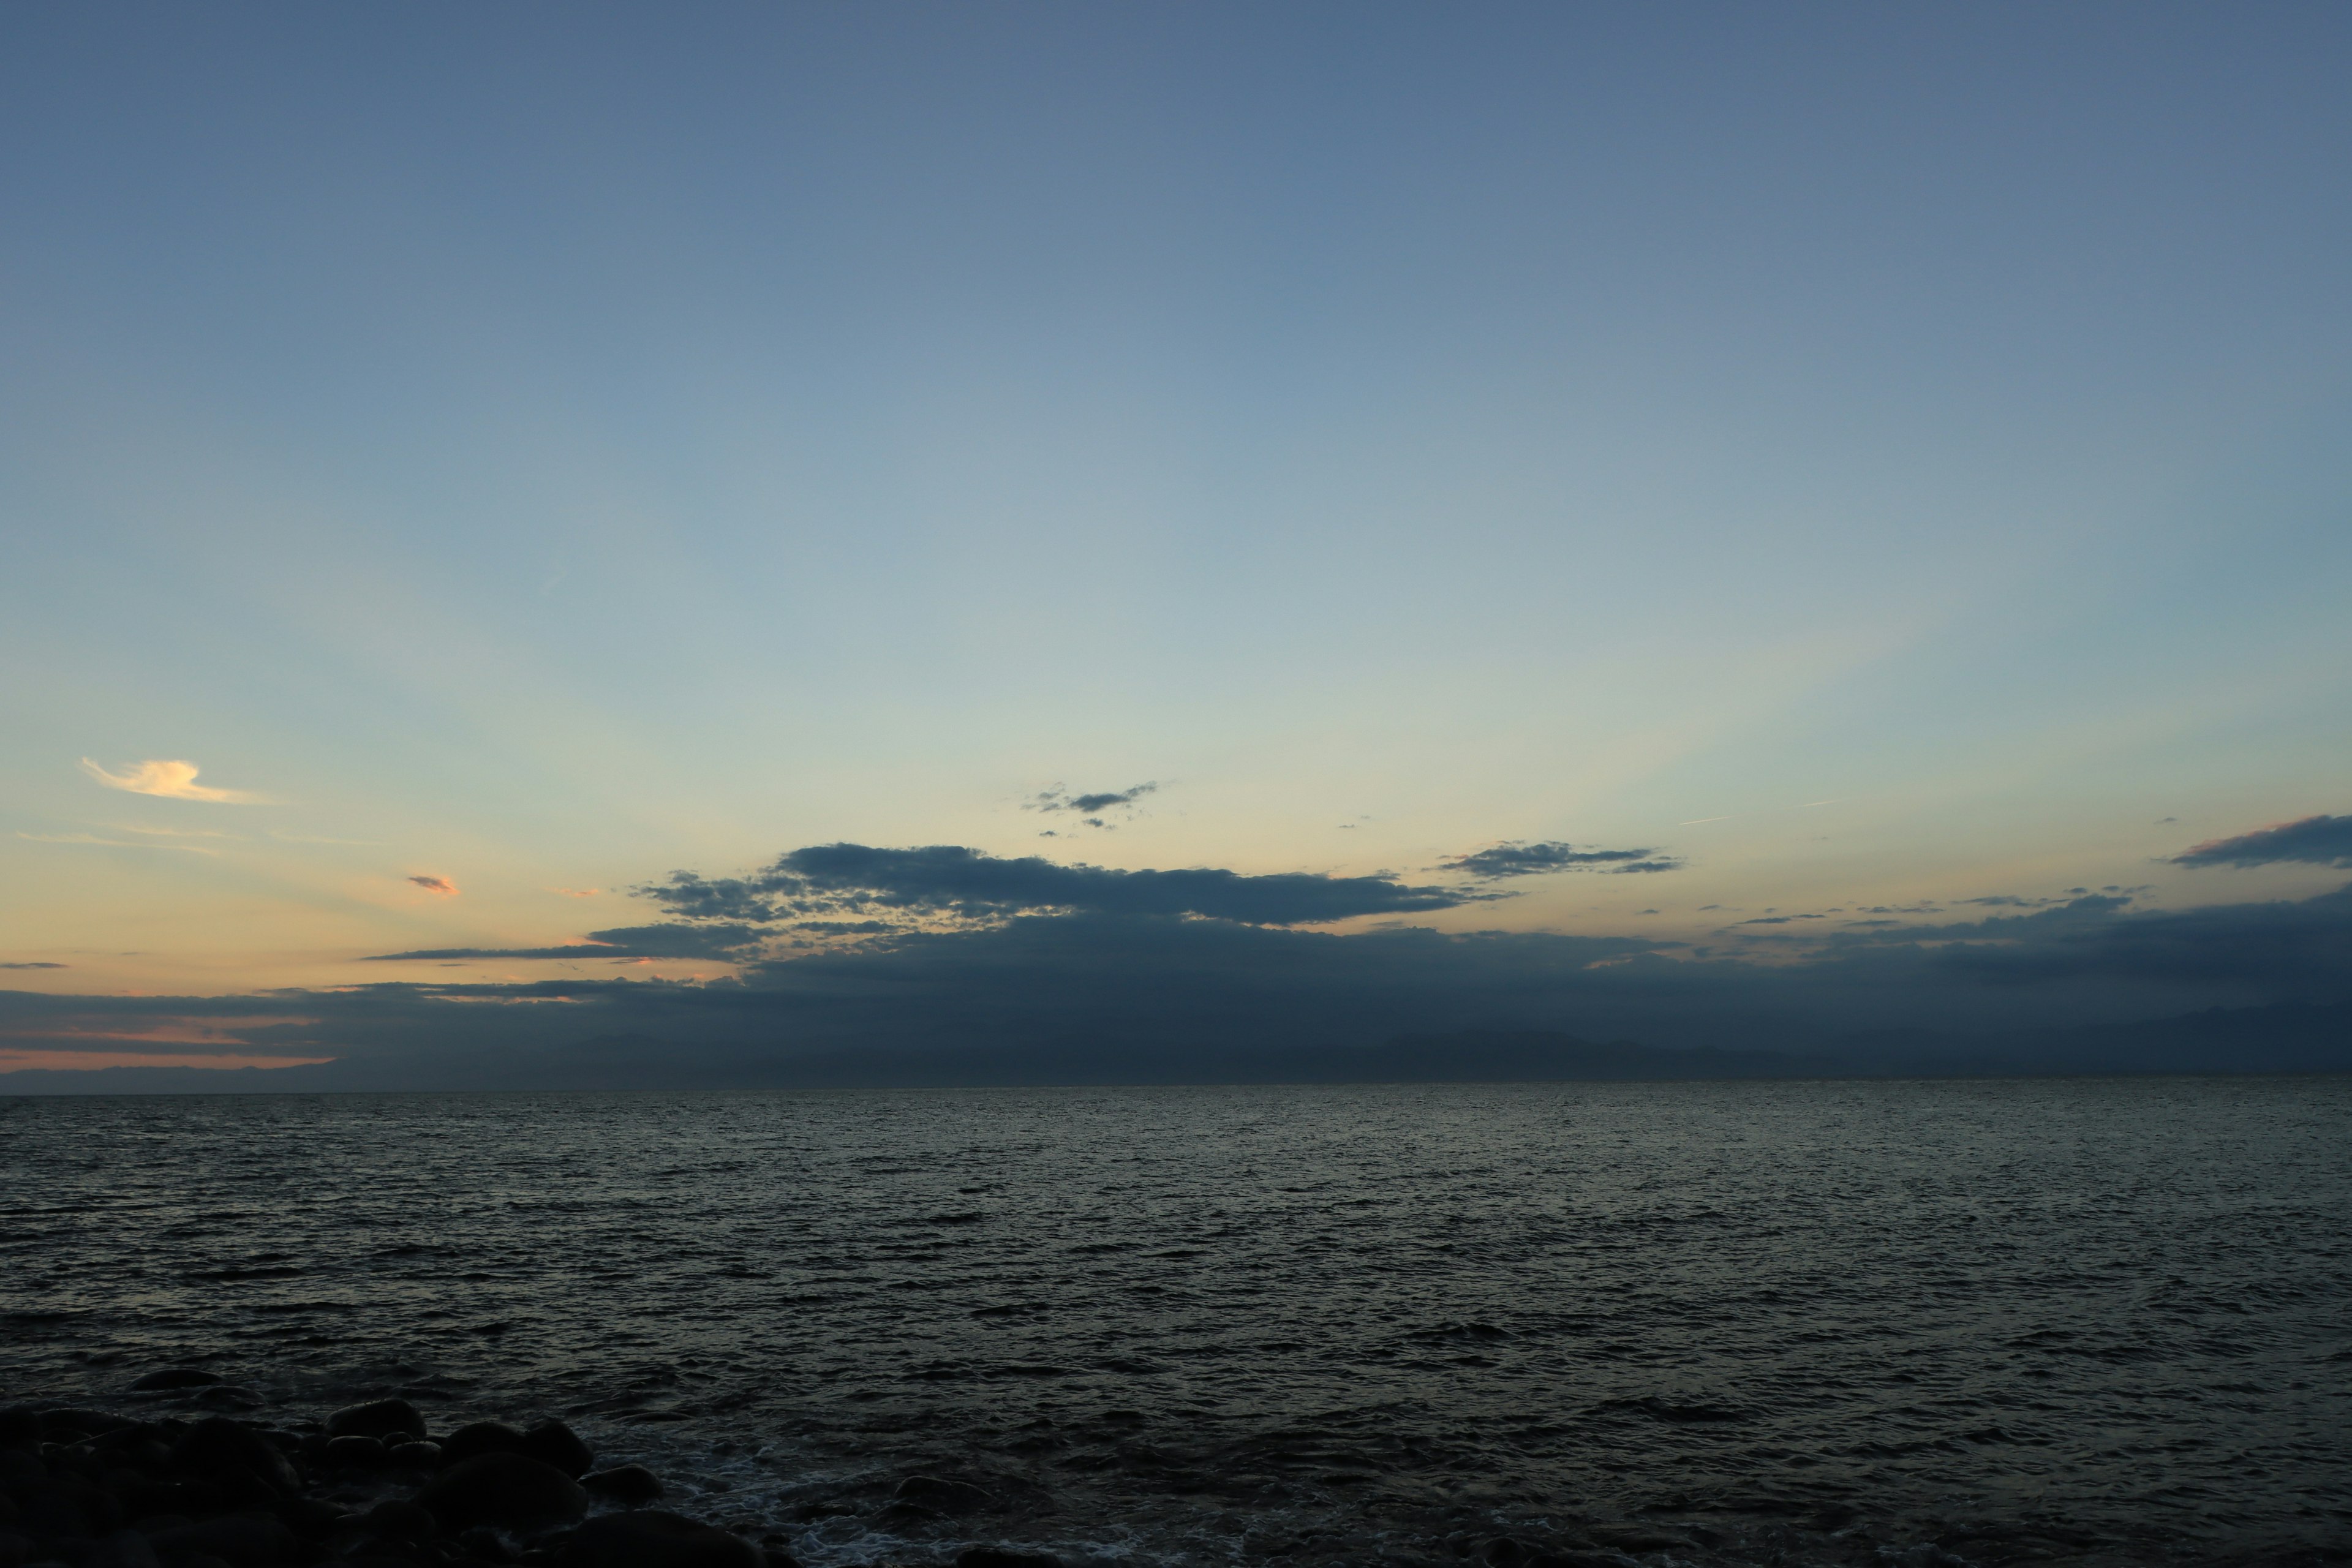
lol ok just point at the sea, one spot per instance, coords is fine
(1925, 1323)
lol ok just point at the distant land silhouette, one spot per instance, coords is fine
(2292, 1038)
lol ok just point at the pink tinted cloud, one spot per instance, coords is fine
(172, 780)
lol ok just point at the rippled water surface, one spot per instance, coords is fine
(2084, 1320)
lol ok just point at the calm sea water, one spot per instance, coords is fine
(2089, 1320)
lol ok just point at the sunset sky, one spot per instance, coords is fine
(460, 465)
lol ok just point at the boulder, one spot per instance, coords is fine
(356, 1453)
(240, 1540)
(505, 1491)
(478, 1437)
(416, 1456)
(20, 1427)
(401, 1522)
(554, 1443)
(221, 1447)
(388, 1421)
(630, 1486)
(649, 1538)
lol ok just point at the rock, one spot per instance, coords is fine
(416, 1456)
(123, 1548)
(1001, 1557)
(399, 1521)
(240, 1540)
(220, 1448)
(505, 1492)
(481, 1544)
(630, 1486)
(479, 1438)
(552, 1443)
(650, 1538)
(174, 1377)
(946, 1496)
(20, 1427)
(388, 1420)
(356, 1453)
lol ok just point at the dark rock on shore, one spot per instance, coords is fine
(505, 1491)
(241, 1540)
(478, 1437)
(356, 1453)
(386, 1420)
(652, 1538)
(553, 1444)
(221, 1448)
(630, 1486)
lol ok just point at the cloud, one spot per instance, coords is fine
(1515, 859)
(170, 779)
(92, 838)
(32, 966)
(1060, 997)
(441, 886)
(726, 944)
(577, 892)
(1089, 807)
(2311, 841)
(961, 884)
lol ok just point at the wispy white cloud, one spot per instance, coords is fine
(172, 832)
(171, 780)
(92, 838)
(577, 892)
(315, 838)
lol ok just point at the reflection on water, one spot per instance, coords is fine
(2087, 1320)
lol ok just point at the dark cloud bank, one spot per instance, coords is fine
(943, 965)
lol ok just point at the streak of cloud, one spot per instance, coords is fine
(2320, 840)
(1515, 859)
(169, 780)
(441, 886)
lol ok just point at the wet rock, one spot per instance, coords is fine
(630, 1486)
(1004, 1557)
(123, 1548)
(504, 1491)
(356, 1453)
(240, 1540)
(401, 1522)
(416, 1456)
(20, 1427)
(945, 1496)
(386, 1420)
(553, 1444)
(481, 1544)
(649, 1538)
(220, 1448)
(174, 1377)
(477, 1438)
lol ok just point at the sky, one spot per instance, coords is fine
(1663, 489)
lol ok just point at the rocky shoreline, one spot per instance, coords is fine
(369, 1486)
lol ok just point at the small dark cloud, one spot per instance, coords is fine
(31, 966)
(1517, 859)
(2162, 820)
(723, 942)
(1090, 806)
(1777, 919)
(2311, 841)
(440, 885)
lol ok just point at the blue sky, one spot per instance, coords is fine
(1870, 455)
